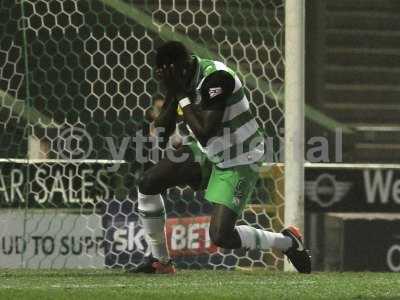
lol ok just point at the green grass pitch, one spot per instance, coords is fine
(196, 285)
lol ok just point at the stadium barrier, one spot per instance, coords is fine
(353, 216)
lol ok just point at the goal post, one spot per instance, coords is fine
(294, 113)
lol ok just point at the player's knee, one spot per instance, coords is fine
(147, 184)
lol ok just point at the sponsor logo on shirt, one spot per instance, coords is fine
(213, 92)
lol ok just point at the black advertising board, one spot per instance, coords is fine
(372, 245)
(352, 190)
(54, 185)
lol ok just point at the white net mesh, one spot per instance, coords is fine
(76, 83)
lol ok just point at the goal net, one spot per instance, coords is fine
(76, 93)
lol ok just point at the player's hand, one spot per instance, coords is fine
(174, 81)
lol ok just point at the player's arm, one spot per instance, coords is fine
(214, 93)
(165, 123)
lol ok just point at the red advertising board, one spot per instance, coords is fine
(189, 236)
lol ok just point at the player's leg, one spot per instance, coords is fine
(225, 234)
(229, 190)
(222, 228)
(180, 168)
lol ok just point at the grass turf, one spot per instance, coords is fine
(196, 285)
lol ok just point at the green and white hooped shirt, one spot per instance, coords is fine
(239, 141)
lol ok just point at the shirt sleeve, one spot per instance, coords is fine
(215, 90)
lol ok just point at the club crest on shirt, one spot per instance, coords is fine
(213, 92)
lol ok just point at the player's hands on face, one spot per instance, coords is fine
(172, 80)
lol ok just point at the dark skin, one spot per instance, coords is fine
(204, 125)
(166, 121)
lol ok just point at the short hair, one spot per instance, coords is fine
(172, 52)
